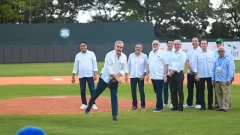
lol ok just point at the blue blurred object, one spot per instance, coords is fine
(31, 130)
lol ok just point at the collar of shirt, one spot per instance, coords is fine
(205, 51)
(180, 50)
(138, 55)
(84, 53)
(156, 51)
(115, 53)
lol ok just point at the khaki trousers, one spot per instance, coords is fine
(223, 95)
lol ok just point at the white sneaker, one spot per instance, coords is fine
(171, 106)
(165, 105)
(187, 106)
(83, 106)
(198, 106)
(94, 107)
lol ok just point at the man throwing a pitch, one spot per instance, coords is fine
(115, 65)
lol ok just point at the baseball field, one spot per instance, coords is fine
(42, 95)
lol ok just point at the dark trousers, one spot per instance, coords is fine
(176, 87)
(101, 86)
(157, 86)
(165, 92)
(134, 82)
(202, 89)
(190, 85)
(82, 82)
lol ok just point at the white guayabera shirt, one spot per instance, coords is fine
(85, 64)
(113, 65)
(137, 65)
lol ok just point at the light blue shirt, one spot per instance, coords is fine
(227, 53)
(203, 62)
(226, 74)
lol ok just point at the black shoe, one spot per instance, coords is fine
(157, 110)
(210, 108)
(180, 109)
(224, 110)
(174, 109)
(115, 118)
(202, 108)
(216, 107)
(87, 111)
(219, 109)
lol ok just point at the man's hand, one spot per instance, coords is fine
(196, 77)
(233, 78)
(228, 83)
(165, 79)
(213, 83)
(94, 77)
(119, 80)
(147, 78)
(142, 77)
(126, 78)
(191, 72)
(171, 73)
(73, 79)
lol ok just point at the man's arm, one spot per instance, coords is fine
(214, 69)
(230, 71)
(95, 67)
(75, 69)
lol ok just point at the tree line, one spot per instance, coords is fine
(171, 18)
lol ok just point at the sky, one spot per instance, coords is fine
(83, 17)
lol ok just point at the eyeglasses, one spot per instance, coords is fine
(220, 51)
(155, 44)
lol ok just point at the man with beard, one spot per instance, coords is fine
(158, 68)
(137, 66)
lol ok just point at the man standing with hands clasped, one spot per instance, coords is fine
(158, 68)
(115, 65)
(86, 64)
(137, 64)
(203, 68)
(222, 77)
(177, 61)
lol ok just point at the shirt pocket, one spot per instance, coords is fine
(200, 59)
(141, 61)
(210, 59)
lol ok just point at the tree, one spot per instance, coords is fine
(229, 13)
(11, 11)
(172, 18)
(39, 11)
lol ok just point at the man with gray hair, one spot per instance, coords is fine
(115, 65)
(177, 61)
(220, 43)
(137, 64)
(222, 77)
(157, 67)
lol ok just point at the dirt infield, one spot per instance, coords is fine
(63, 80)
(58, 105)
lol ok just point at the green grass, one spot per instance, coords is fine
(50, 69)
(191, 121)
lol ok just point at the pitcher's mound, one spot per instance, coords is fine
(58, 105)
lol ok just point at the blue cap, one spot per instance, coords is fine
(31, 130)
